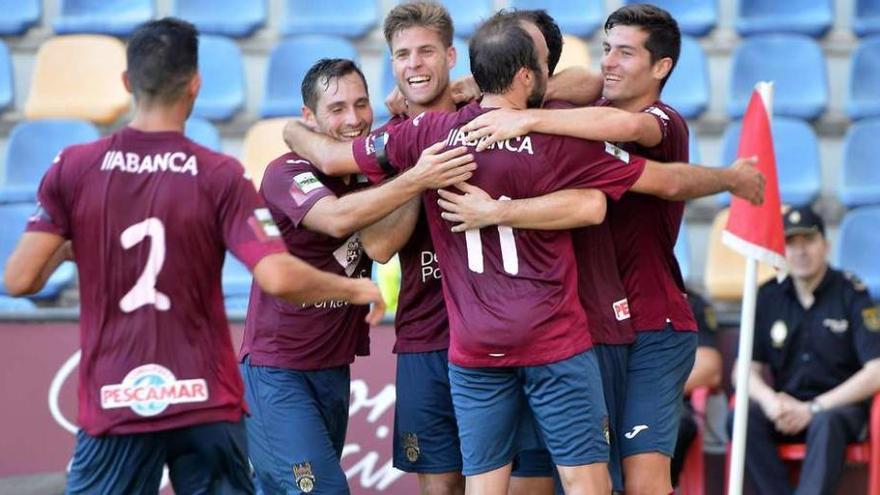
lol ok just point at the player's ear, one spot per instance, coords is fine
(126, 82)
(451, 57)
(661, 68)
(309, 116)
(195, 84)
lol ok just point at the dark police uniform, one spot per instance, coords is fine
(811, 351)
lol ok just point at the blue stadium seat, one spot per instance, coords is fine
(695, 17)
(236, 304)
(7, 83)
(866, 17)
(113, 17)
(863, 99)
(694, 155)
(859, 244)
(797, 159)
(203, 132)
(16, 304)
(808, 17)
(12, 221)
(794, 62)
(236, 278)
(683, 251)
(288, 64)
(577, 17)
(236, 18)
(687, 89)
(462, 68)
(468, 14)
(30, 150)
(350, 18)
(18, 16)
(223, 89)
(860, 175)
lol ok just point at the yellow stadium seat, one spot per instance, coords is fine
(262, 144)
(725, 268)
(575, 52)
(79, 76)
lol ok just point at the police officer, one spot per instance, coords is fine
(818, 334)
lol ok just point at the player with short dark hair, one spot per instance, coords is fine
(295, 358)
(148, 215)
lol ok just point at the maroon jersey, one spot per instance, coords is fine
(150, 216)
(645, 229)
(511, 295)
(600, 287)
(311, 336)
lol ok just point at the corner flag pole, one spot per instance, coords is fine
(756, 232)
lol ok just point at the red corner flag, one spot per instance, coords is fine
(756, 231)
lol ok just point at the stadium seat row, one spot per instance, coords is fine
(354, 18)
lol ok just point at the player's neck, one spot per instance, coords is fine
(443, 103)
(158, 119)
(638, 103)
(506, 100)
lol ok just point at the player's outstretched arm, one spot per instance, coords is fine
(345, 215)
(383, 239)
(34, 259)
(682, 181)
(285, 276)
(593, 123)
(560, 210)
(332, 157)
(576, 85)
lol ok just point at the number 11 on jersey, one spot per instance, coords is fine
(474, 242)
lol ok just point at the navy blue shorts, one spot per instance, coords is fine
(206, 458)
(497, 410)
(659, 364)
(297, 427)
(613, 361)
(425, 432)
(533, 463)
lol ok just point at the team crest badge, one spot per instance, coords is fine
(303, 476)
(411, 447)
(871, 317)
(778, 333)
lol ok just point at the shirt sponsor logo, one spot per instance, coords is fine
(836, 326)
(348, 255)
(263, 225)
(616, 152)
(133, 163)
(430, 268)
(307, 182)
(621, 309)
(522, 144)
(150, 389)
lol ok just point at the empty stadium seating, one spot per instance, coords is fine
(12, 221)
(863, 99)
(866, 17)
(859, 244)
(860, 175)
(467, 14)
(16, 304)
(683, 251)
(18, 16)
(223, 89)
(694, 155)
(797, 159)
(288, 64)
(203, 132)
(7, 84)
(576, 17)
(808, 17)
(695, 17)
(236, 278)
(794, 62)
(687, 89)
(237, 18)
(114, 17)
(724, 274)
(350, 18)
(31, 148)
(87, 66)
(262, 144)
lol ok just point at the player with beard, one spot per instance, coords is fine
(295, 358)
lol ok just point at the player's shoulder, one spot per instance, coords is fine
(288, 162)
(84, 154)
(665, 112)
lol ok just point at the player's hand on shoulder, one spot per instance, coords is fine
(396, 102)
(473, 209)
(747, 181)
(437, 169)
(498, 125)
(365, 291)
(465, 90)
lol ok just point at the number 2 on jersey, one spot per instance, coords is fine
(509, 257)
(144, 291)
